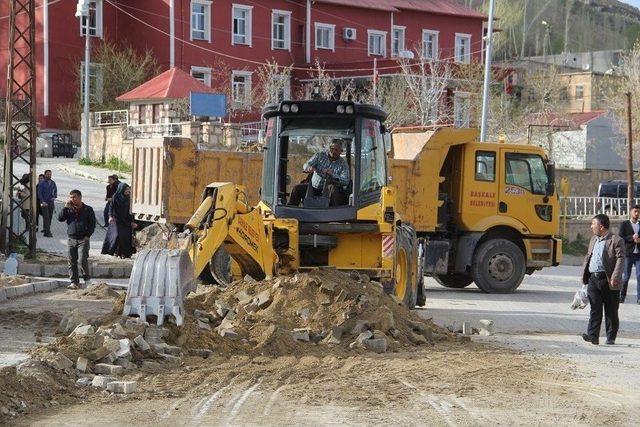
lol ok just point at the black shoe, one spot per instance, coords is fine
(610, 342)
(48, 235)
(622, 300)
(587, 338)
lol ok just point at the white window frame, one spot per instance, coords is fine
(463, 122)
(581, 98)
(97, 5)
(383, 44)
(467, 58)
(246, 103)
(332, 36)
(436, 43)
(248, 39)
(206, 71)
(401, 40)
(276, 13)
(95, 94)
(207, 20)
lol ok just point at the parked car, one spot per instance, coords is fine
(616, 190)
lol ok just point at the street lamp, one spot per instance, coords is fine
(82, 11)
(487, 76)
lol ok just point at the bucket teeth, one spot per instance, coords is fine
(160, 279)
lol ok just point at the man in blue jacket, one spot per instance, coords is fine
(47, 194)
(81, 223)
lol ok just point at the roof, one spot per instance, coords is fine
(440, 7)
(571, 120)
(172, 84)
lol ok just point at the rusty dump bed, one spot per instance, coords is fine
(169, 175)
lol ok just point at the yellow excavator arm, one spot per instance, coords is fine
(161, 278)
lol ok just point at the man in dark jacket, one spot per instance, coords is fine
(47, 193)
(630, 233)
(111, 190)
(81, 223)
(602, 272)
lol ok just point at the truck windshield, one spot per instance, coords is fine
(527, 171)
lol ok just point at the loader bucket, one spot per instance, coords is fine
(160, 279)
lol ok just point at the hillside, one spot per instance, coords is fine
(572, 25)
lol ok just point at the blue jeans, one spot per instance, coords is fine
(631, 261)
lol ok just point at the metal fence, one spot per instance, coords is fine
(251, 131)
(111, 118)
(158, 130)
(586, 207)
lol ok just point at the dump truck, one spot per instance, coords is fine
(483, 212)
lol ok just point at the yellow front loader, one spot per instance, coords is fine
(325, 201)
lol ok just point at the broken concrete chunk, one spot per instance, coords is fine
(303, 313)
(486, 327)
(107, 369)
(124, 349)
(263, 299)
(359, 342)
(328, 287)
(82, 364)
(98, 353)
(417, 338)
(395, 333)
(71, 321)
(301, 334)
(119, 331)
(250, 308)
(141, 343)
(84, 381)
(136, 326)
(334, 336)
(377, 345)
(385, 321)
(109, 358)
(231, 315)
(249, 279)
(222, 308)
(244, 298)
(360, 327)
(84, 330)
(126, 364)
(203, 325)
(60, 361)
(101, 381)
(175, 360)
(124, 387)
(112, 344)
(228, 333)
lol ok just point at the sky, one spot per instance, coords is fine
(635, 3)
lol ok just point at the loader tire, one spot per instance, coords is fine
(454, 280)
(498, 266)
(405, 266)
(218, 271)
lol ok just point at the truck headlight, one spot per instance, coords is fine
(545, 212)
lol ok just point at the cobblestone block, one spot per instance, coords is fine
(125, 387)
(101, 381)
(104, 368)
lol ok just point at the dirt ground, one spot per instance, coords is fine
(12, 280)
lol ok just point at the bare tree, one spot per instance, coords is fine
(273, 82)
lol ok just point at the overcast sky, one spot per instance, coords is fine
(635, 3)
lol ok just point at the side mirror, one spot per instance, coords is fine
(550, 188)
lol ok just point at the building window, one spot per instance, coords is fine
(461, 110)
(325, 36)
(95, 82)
(95, 20)
(200, 20)
(203, 74)
(463, 48)
(579, 92)
(281, 29)
(241, 24)
(397, 45)
(429, 44)
(377, 43)
(142, 114)
(241, 89)
(157, 113)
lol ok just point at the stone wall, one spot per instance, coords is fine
(216, 134)
(585, 182)
(582, 226)
(107, 142)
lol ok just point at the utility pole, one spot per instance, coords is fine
(20, 130)
(630, 188)
(487, 75)
(82, 12)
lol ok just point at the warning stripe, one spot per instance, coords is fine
(388, 242)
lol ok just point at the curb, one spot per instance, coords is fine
(96, 271)
(83, 174)
(12, 292)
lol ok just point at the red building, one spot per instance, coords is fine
(227, 40)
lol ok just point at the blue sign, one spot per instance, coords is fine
(208, 104)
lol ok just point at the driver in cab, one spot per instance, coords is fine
(330, 176)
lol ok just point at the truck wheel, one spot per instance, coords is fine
(405, 266)
(498, 266)
(454, 280)
(218, 270)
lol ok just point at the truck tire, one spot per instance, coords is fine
(405, 265)
(218, 270)
(454, 280)
(498, 266)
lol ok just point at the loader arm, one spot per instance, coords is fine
(161, 278)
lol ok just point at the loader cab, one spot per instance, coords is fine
(324, 160)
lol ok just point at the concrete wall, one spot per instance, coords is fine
(107, 142)
(585, 182)
(581, 226)
(606, 145)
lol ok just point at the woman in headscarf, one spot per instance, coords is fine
(119, 238)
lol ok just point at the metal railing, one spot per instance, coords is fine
(251, 131)
(158, 130)
(110, 118)
(587, 207)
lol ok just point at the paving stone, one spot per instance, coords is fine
(141, 343)
(30, 269)
(98, 353)
(359, 342)
(84, 381)
(136, 326)
(301, 334)
(126, 364)
(377, 345)
(60, 362)
(105, 368)
(125, 348)
(84, 330)
(56, 270)
(71, 321)
(101, 381)
(82, 364)
(46, 286)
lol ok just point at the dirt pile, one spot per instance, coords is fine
(12, 280)
(325, 311)
(157, 236)
(98, 291)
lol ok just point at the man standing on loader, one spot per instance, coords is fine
(325, 166)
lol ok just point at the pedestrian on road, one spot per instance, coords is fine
(81, 223)
(630, 233)
(119, 238)
(24, 195)
(47, 193)
(38, 202)
(112, 187)
(602, 272)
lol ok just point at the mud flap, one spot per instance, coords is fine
(160, 279)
